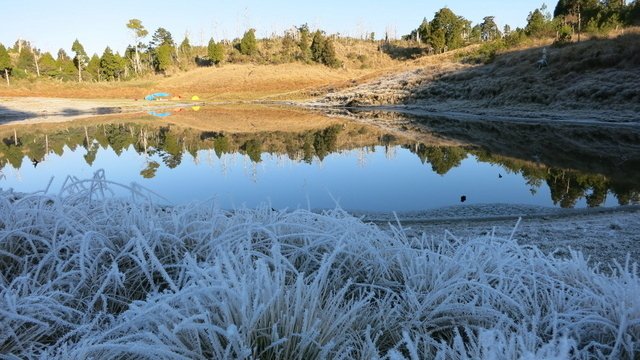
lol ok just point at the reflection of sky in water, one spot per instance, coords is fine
(357, 179)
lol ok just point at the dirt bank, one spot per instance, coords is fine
(603, 234)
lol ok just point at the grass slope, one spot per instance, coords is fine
(85, 275)
(601, 73)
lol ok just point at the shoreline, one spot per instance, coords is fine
(25, 110)
(602, 234)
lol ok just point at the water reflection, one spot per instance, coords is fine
(565, 179)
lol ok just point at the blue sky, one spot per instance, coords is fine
(51, 25)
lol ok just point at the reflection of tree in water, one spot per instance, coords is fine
(441, 158)
(221, 146)
(172, 151)
(169, 143)
(91, 154)
(567, 187)
(149, 172)
(253, 148)
(324, 141)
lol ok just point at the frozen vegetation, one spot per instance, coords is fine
(86, 275)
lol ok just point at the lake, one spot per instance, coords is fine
(370, 161)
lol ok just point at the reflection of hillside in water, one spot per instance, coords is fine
(590, 166)
(576, 161)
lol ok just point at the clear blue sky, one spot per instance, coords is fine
(51, 25)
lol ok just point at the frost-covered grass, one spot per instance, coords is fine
(86, 275)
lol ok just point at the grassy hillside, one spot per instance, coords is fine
(600, 72)
(247, 79)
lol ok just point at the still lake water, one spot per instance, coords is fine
(357, 166)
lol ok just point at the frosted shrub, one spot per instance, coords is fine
(84, 274)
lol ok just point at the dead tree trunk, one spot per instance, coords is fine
(35, 60)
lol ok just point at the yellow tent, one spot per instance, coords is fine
(195, 97)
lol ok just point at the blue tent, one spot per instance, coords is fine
(165, 114)
(155, 96)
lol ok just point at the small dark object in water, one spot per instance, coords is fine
(463, 198)
(35, 162)
(499, 176)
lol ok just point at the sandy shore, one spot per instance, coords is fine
(30, 110)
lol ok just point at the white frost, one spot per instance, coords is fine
(86, 275)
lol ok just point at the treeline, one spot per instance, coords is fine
(445, 31)
(571, 18)
(162, 54)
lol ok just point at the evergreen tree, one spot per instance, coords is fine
(451, 26)
(632, 16)
(489, 29)
(476, 34)
(111, 65)
(288, 46)
(215, 52)
(93, 68)
(66, 69)
(26, 59)
(185, 48)
(161, 37)
(248, 44)
(162, 50)
(423, 31)
(139, 33)
(305, 46)
(437, 40)
(81, 60)
(329, 57)
(323, 51)
(163, 58)
(317, 46)
(537, 24)
(48, 65)
(5, 63)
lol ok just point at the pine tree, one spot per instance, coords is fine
(537, 24)
(215, 52)
(162, 36)
(66, 69)
(248, 44)
(323, 51)
(48, 65)
(423, 31)
(26, 60)
(5, 63)
(329, 57)
(317, 46)
(489, 29)
(163, 58)
(185, 48)
(305, 46)
(81, 60)
(110, 65)
(93, 68)
(451, 26)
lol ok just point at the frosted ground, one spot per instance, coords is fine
(86, 275)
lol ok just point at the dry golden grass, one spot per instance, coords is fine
(226, 83)
(229, 118)
(243, 119)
